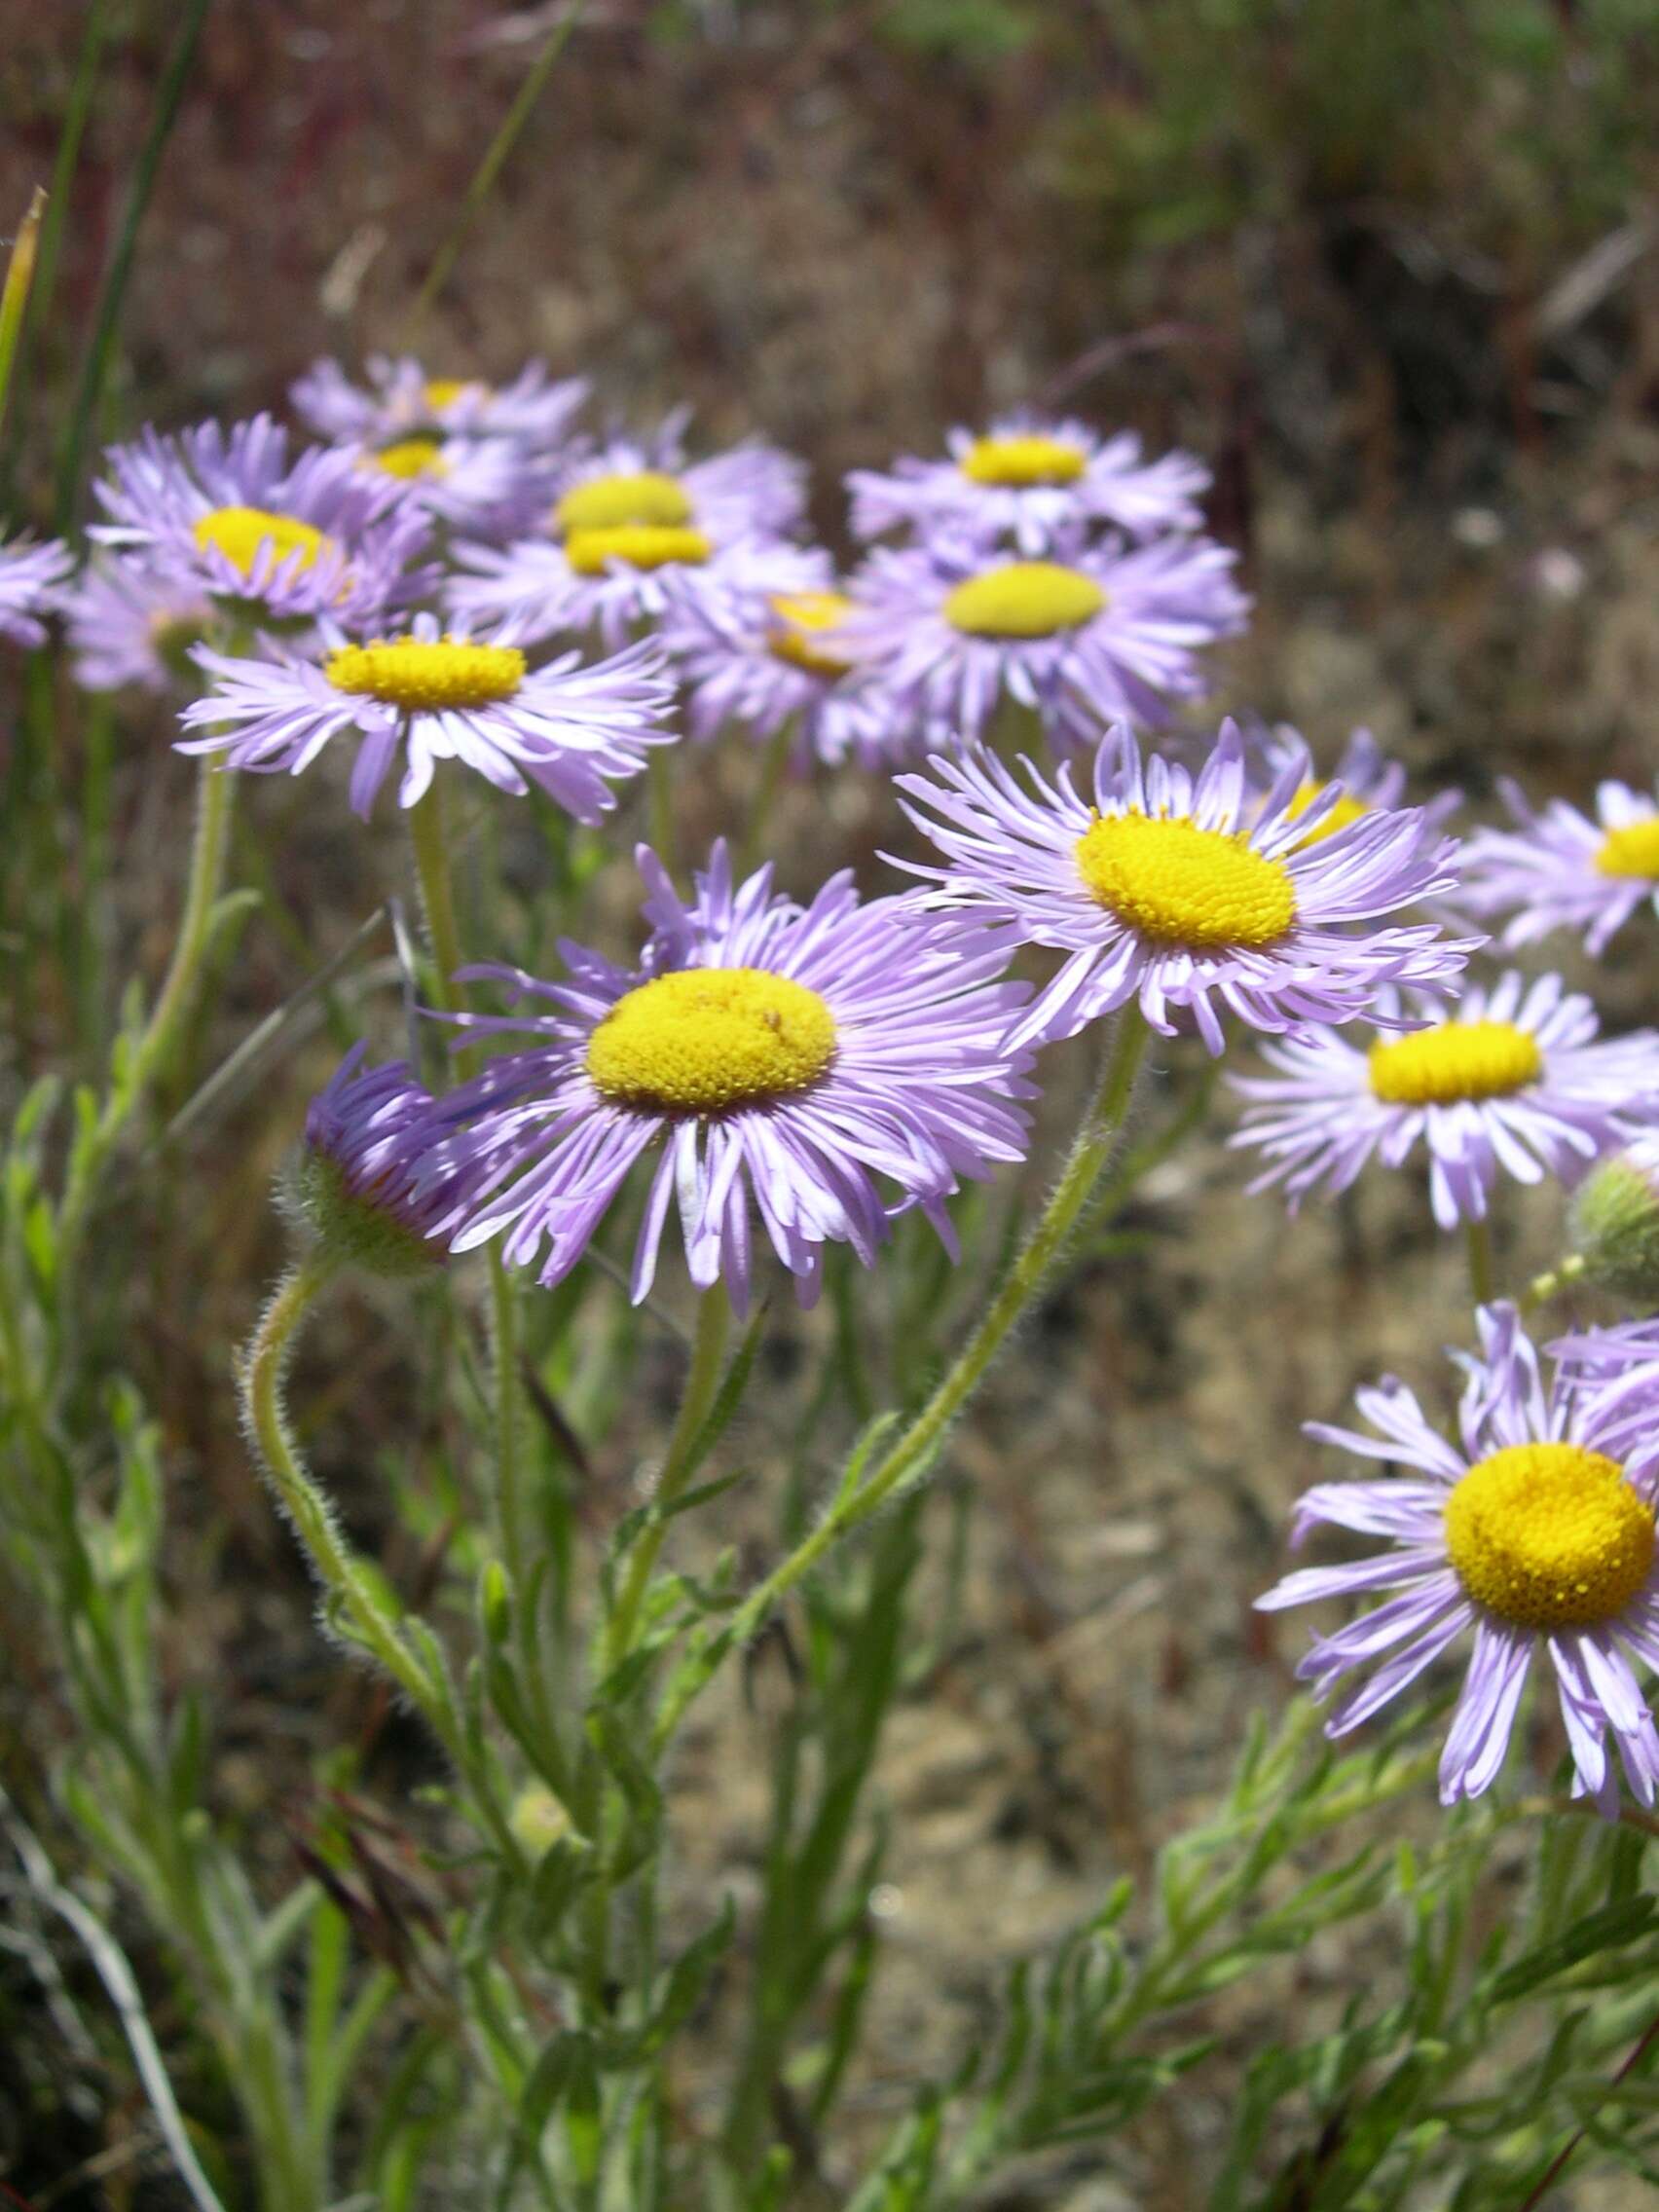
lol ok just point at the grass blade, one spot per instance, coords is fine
(96, 373)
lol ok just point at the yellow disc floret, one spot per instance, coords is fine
(1632, 850)
(408, 458)
(1177, 884)
(1022, 463)
(1024, 599)
(243, 534)
(440, 392)
(427, 675)
(709, 1040)
(609, 502)
(637, 545)
(1549, 1537)
(1453, 1062)
(1347, 811)
(802, 616)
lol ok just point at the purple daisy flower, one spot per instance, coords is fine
(32, 579)
(357, 1185)
(752, 490)
(434, 695)
(128, 625)
(1367, 777)
(1515, 1078)
(1035, 481)
(760, 659)
(400, 400)
(1560, 870)
(1098, 636)
(786, 1057)
(492, 486)
(1181, 892)
(609, 581)
(1537, 1526)
(228, 514)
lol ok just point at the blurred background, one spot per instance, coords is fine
(1393, 269)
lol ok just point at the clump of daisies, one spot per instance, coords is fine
(1047, 575)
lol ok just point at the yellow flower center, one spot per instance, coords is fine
(609, 502)
(1024, 599)
(427, 675)
(1454, 1062)
(1347, 811)
(638, 546)
(1549, 1537)
(1177, 884)
(1633, 849)
(708, 1039)
(243, 534)
(440, 392)
(802, 616)
(409, 459)
(1021, 463)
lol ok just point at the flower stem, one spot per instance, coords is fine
(659, 806)
(1478, 1239)
(774, 762)
(702, 1382)
(426, 836)
(332, 1560)
(1092, 1149)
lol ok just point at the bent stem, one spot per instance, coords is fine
(1092, 1149)
(702, 1382)
(336, 1567)
(163, 1033)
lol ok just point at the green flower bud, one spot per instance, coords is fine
(1615, 1223)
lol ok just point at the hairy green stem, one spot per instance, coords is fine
(702, 1382)
(1092, 1149)
(336, 1567)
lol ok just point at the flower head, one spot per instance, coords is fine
(436, 694)
(1091, 637)
(32, 580)
(1180, 891)
(128, 624)
(490, 487)
(1514, 1079)
(1535, 1527)
(1558, 869)
(1035, 481)
(1367, 777)
(750, 491)
(227, 514)
(397, 399)
(356, 1188)
(609, 580)
(817, 1066)
(759, 658)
